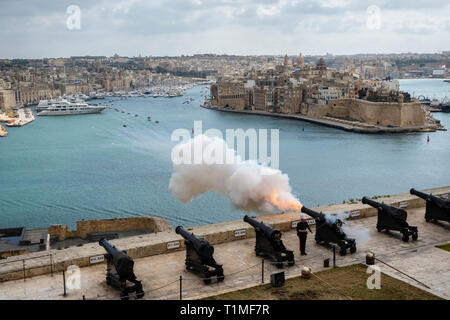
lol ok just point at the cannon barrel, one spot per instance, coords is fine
(420, 194)
(121, 261)
(312, 213)
(203, 248)
(373, 203)
(270, 232)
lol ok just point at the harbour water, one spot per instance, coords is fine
(57, 170)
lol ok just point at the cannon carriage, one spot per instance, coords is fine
(119, 270)
(330, 232)
(199, 257)
(392, 218)
(269, 243)
(436, 208)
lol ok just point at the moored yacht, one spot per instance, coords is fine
(65, 107)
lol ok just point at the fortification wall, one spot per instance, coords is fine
(168, 241)
(374, 113)
(84, 227)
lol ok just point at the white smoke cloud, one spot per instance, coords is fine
(353, 230)
(206, 164)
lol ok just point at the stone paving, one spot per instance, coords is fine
(160, 273)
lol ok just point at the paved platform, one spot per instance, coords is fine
(160, 273)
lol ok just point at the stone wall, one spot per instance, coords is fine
(84, 227)
(168, 241)
(374, 113)
(7, 99)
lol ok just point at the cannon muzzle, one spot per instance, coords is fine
(420, 194)
(371, 203)
(121, 261)
(312, 213)
(203, 248)
(271, 233)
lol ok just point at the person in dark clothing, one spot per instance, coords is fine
(302, 233)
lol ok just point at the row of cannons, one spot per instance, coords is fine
(394, 218)
(199, 252)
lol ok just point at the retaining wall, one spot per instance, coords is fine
(168, 241)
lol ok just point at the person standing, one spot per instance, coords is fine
(302, 233)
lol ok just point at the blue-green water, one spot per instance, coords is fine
(64, 169)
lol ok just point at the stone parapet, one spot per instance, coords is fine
(168, 241)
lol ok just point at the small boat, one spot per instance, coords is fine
(149, 118)
(136, 115)
(156, 121)
(124, 125)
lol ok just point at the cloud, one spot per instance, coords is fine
(174, 27)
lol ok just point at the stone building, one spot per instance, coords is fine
(230, 95)
(28, 96)
(7, 99)
(287, 99)
(260, 99)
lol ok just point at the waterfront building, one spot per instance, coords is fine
(7, 99)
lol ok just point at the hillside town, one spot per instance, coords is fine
(344, 89)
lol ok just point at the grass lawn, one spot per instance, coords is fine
(347, 282)
(445, 247)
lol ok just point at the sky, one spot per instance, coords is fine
(60, 28)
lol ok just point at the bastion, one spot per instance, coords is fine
(165, 240)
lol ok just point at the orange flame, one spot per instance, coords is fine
(282, 204)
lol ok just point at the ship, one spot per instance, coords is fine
(65, 107)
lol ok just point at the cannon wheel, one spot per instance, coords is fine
(220, 278)
(352, 249)
(405, 237)
(291, 263)
(343, 251)
(414, 236)
(207, 280)
(140, 295)
(379, 229)
(124, 296)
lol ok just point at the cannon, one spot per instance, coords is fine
(119, 270)
(199, 257)
(436, 209)
(329, 231)
(392, 218)
(269, 243)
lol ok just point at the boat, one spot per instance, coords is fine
(44, 104)
(65, 107)
(3, 132)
